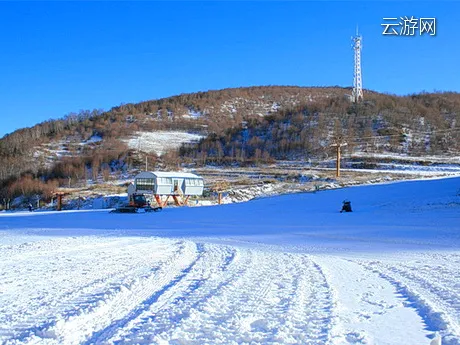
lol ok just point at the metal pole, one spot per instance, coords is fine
(337, 173)
(59, 202)
(339, 145)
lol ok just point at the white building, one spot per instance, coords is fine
(168, 183)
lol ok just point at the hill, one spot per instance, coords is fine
(202, 112)
(244, 125)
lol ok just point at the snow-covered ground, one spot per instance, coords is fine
(408, 166)
(281, 270)
(405, 157)
(159, 142)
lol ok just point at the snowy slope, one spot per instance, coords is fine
(159, 142)
(279, 270)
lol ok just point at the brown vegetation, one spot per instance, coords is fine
(244, 125)
(417, 125)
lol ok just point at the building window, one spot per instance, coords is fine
(145, 183)
(193, 182)
(165, 180)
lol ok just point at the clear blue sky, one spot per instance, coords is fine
(59, 57)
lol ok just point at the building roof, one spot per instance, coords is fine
(171, 174)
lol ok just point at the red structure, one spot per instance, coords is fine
(59, 196)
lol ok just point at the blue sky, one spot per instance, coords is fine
(59, 57)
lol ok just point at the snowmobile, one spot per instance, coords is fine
(137, 204)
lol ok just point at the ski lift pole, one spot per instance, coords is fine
(338, 145)
(59, 196)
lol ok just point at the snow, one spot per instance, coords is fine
(438, 159)
(159, 142)
(288, 269)
(93, 139)
(48, 153)
(401, 169)
(194, 114)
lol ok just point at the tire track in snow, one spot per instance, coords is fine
(324, 304)
(260, 300)
(72, 282)
(306, 316)
(212, 321)
(74, 329)
(435, 303)
(362, 301)
(149, 294)
(179, 303)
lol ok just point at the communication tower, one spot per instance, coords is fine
(357, 94)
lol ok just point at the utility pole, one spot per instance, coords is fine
(338, 144)
(146, 163)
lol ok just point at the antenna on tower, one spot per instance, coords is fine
(357, 94)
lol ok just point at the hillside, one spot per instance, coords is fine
(243, 125)
(425, 124)
(203, 112)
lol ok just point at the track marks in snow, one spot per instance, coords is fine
(140, 298)
(367, 307)
(430, 286)
(104, 290)
(248, 297)
(144, 290)
(198, 284)
(70, 287)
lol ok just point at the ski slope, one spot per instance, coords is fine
(282, 270)
(159, 142)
